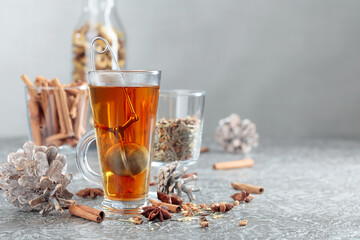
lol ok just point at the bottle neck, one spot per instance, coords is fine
(102, 7)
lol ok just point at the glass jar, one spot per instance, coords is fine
(99, 19)
(178, 131)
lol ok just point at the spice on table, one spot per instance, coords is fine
(247, 187)
(169, 198)
(221, 207)
(205, 206)
(192, 206)
(242, 196)
(243, 163)
(170, 207)
(86, 212)
(236, 203)
(90, 192)
(243, 222)
(204, 149)
(188, 213)
(176, 139)
(204, 222)
(156, 212)
(137, 220)
(217, 216)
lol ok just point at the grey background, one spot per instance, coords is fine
(289, 66)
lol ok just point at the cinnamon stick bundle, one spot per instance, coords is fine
(86, 212)
(234, 164)
(170, 207)
(58, 113)
(247, 188)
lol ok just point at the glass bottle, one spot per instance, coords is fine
(99, 19)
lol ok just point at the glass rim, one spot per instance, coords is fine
(144, 71)
(81, 87)
(182, 92)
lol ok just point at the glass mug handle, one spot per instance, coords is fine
(81, 158)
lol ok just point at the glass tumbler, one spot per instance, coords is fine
(124, 105)
(179, 127)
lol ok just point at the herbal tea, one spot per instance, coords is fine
(124, 119)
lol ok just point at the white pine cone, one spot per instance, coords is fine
(236, 135)
(34, 179)
(170, 180)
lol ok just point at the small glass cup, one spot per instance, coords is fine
(179, 127)
(57, 115)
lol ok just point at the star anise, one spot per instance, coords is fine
(92, 192)
(156, 212)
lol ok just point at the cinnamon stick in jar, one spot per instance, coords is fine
(247, 188)
(56, 112)
(64, 108)
(243, 163)
(31, 89)
(34, 112)
(42, 84)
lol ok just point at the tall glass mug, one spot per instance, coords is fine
(124, 106)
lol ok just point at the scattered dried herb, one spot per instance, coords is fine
(137, 220)
(243, 222)
(204, 222)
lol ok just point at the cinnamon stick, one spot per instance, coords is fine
(247, 188)
(42, 83)
(55, 137)
(234, 164)
(81, 113)
(54, 118)
(34, 112)
(64, 108)
(59, 107)
(72, 141)
(31, 89)
(170, 207)
(74, 107)
(86, 212)
(72, 92)
(204, 149)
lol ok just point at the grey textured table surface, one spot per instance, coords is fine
(311, 192)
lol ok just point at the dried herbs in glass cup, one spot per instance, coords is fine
(178, 127)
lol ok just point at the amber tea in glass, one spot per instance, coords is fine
(124, 106)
